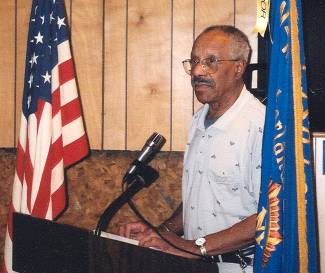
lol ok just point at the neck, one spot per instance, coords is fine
(218, 108)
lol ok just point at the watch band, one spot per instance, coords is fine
(200, 243)
(164, 228)
(203, 250)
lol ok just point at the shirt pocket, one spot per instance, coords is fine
(230, 196)
(224, 167)
(227, 191)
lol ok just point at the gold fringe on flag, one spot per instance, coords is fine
(298, 114)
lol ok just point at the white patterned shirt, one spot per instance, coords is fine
(222, 168)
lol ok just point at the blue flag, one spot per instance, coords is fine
(285, 231)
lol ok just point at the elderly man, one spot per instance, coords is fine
(222, 162)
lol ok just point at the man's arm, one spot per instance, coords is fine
(231, 239)
(174, 223)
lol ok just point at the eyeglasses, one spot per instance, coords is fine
(210, 64)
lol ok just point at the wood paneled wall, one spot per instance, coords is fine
(128, 57)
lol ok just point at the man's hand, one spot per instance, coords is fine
(147, 237)
(152, 239)
(132, 230)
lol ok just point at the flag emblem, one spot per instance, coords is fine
(273, 237)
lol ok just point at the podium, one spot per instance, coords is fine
(42, 246)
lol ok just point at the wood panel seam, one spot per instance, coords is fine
(171, 74)
(15, 80)
(103, 74)
(234, 13)
(126, 72)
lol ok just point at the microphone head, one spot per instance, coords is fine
(156, 141)
(151, 147)
(149, 150)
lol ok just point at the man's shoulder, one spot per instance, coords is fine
(249, 118)
(254, 101)
(254, 109)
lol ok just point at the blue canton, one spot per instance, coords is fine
(47, 29)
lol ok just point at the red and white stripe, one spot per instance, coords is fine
(50, 140)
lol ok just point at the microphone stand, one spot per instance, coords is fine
(144, 178)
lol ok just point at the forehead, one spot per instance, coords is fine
(211, 43)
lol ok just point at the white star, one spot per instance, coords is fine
(36, 9)
(30, 80)
(47, 77)
(43, 19)
(33, 60)
(61, 22)
(33, 20)
(28, 101)
(39, 38)
(51, 17)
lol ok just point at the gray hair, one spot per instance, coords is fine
(241, 48)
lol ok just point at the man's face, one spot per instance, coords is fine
(213, 87)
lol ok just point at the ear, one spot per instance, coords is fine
(240, 68)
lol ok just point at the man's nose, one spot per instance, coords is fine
(198, 70)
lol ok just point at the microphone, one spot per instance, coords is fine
(150, 148)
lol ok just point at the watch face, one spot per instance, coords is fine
(200, 241)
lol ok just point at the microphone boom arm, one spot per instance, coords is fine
(145, 178)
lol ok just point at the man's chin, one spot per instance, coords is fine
(201, 95)
(201, 98)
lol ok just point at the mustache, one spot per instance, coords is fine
(196, 80)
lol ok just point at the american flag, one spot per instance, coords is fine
(52, 135)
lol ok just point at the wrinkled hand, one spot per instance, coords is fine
(132, 230)
(147, 237)
(153, 240)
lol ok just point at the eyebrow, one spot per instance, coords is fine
(208, 56)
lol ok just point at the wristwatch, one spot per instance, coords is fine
(200, 243)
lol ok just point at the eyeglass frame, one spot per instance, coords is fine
(204, 65)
